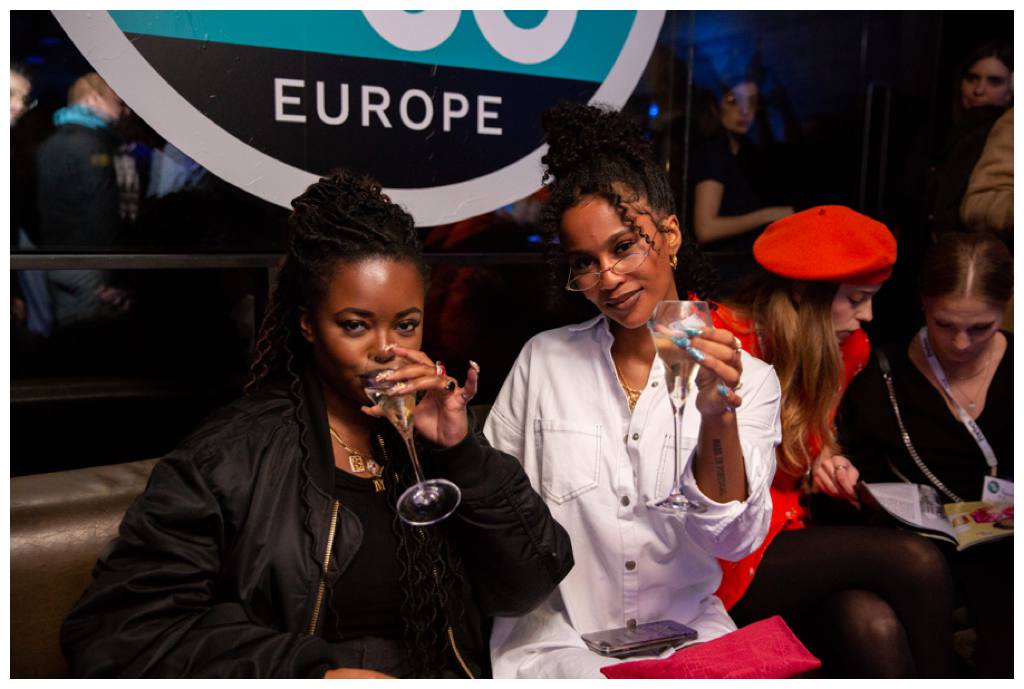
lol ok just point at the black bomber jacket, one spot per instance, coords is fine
(217, 566)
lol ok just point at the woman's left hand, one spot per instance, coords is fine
(440, 416)
(718, 352)
(835, 475)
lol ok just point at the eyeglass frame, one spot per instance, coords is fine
(599, 273)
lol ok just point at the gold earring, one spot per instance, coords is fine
(673, 261)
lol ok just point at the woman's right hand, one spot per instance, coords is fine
(773, 213)
(355, 673)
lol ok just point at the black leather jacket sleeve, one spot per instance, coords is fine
(511, 545)
(153, 609)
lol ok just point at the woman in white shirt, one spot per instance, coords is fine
(585, 410)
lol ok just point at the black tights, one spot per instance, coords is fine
(984, 579)
(870, 602)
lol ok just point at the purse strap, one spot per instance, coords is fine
(883, 363)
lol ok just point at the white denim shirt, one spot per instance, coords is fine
(562, 412)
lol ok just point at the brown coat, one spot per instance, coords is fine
(988, 204)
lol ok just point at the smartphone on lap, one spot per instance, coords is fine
(648, 638)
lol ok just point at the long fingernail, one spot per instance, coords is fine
(722, 390)
(692, 331)
(682, 341)
(389, 347)
(475, 366)
(400, 385)
(697, 355)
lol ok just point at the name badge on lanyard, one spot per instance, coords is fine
(996, 490)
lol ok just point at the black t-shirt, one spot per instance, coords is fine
(871, 439)
(737, 173)
(367, 598)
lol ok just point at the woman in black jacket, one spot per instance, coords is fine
(267, 544)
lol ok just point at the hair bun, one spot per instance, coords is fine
(580, 134)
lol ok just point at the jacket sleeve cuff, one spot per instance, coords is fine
(462, 463)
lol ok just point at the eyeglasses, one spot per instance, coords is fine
(626, 264)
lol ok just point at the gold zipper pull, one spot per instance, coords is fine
(458, 656)
(378, 485)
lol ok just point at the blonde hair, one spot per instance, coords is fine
(794, 322)
(88, 84)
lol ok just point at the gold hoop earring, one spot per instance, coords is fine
(673, 261)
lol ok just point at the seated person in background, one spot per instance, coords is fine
(869, 602)
(983, 92)
(729, 178)
(585, 408)
(267, 544)
(953, 384)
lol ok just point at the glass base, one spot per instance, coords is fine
(675, 503)
(428, 502)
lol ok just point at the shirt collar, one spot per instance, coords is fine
(595, 322)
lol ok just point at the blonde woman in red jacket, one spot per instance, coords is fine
(868, 601)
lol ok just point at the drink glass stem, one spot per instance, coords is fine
(410, 445)
(677, 423)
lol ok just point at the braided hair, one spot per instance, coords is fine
(346, 219)
(597, 151)
(340, 218)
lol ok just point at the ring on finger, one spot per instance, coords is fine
(450, 386)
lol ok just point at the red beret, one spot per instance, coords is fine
(828, 244)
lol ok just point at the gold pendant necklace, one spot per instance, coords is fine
(956, 380)
(632, 394)
(357, 462)
(970, 401)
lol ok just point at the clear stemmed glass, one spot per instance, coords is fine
(426, 501)
(672, 323)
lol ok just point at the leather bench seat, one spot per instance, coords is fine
(60, 523)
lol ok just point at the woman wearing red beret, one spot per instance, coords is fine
(875, 602)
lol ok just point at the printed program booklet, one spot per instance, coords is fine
(964, 524)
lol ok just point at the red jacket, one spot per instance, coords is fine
(787, 510)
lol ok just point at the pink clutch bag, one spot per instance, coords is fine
(767, 649)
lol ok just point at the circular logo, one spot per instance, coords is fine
(441, 106)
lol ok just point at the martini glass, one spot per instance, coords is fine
(426, 501)
(670, 323)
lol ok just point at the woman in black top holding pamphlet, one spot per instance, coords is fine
(953, 387)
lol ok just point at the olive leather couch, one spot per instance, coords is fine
(60, 523)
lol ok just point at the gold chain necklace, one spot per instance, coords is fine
(632, 394)
(955, 381)
(971, 406)
(356, 461)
